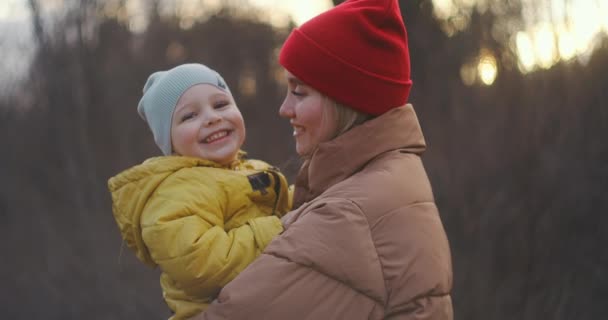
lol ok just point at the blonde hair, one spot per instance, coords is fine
(346, 118)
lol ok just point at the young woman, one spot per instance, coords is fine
(364, 239)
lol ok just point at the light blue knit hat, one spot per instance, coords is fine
(162, 91)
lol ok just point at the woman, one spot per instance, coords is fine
(364, 240)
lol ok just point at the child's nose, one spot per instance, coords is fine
(212, 118)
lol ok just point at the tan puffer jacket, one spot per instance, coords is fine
(365, 242)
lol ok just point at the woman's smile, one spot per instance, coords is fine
(298, 130)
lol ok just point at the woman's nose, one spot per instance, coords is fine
(286, 109)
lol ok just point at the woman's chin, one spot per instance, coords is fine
(301, 151)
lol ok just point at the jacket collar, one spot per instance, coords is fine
(171, 163)
(338, 159)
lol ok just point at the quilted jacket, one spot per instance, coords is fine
(364, 241)
(200, 222)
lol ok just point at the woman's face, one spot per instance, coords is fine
(309, 113)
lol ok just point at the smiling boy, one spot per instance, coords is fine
(201, 212)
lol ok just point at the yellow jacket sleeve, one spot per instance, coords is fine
(183, 229)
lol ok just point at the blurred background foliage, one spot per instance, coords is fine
(511, 95)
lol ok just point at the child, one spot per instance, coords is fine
(201, 212)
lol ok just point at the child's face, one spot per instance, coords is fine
(207, 124)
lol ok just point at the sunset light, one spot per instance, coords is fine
(548, 31)
(487, 69)
(552, 30)
(525, 51)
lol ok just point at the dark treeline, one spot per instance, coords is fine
(519, 168)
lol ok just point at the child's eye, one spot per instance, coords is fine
(188, 116)
(297, 94)
(221, 104)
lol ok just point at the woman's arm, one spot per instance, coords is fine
(311, 271)
(327, 265)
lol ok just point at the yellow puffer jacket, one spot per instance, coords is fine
(200, 222)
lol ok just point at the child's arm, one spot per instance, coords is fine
(183, 230)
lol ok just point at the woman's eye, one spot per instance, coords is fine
(188, 116)
(297, 94)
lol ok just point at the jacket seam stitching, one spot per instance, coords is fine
(371, 236)
(411, 205)
(324, 274)
(383, 216)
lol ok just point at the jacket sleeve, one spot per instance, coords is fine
(312, 272)
(183, 229)
(417, 263)
(292, 280)
(427, 307)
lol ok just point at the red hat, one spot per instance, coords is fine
(355, 53)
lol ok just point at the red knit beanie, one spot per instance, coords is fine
(355, 53)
